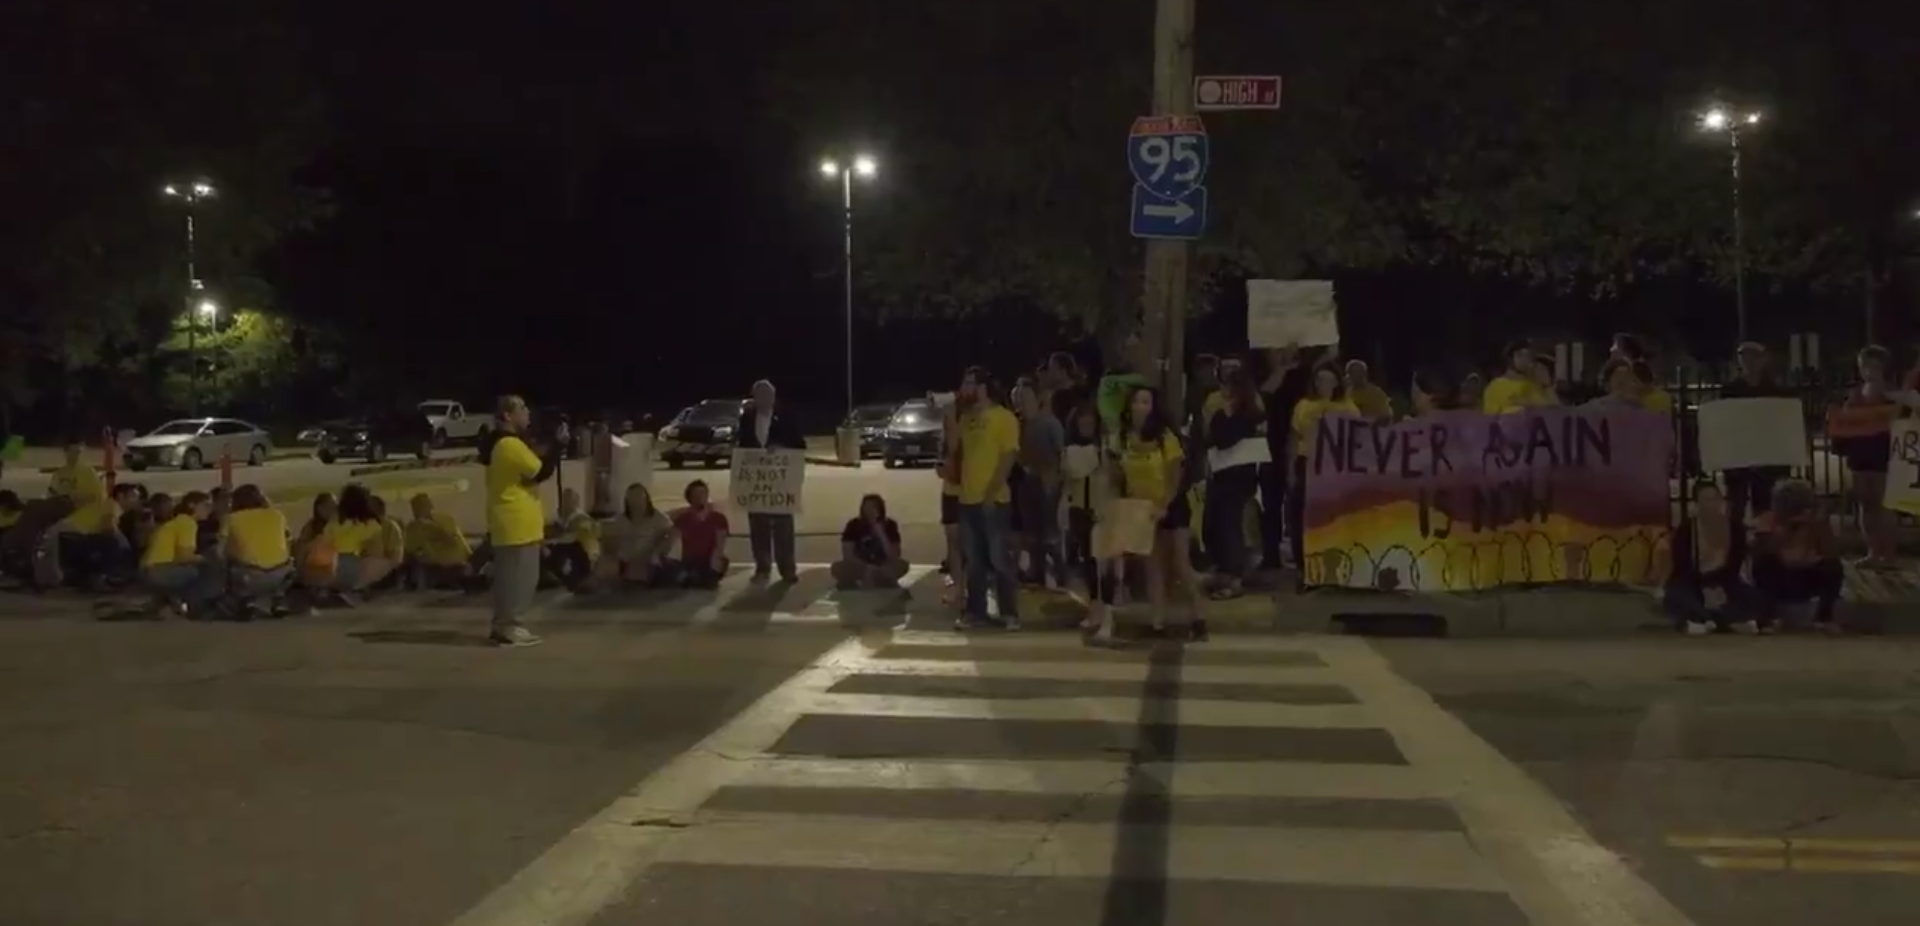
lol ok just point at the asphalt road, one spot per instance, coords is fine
(836, 759)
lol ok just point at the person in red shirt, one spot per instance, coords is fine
(703, 532)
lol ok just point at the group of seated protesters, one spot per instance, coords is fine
(1746, 578)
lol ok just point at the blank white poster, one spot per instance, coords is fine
(1291, 313)
(1738, 433)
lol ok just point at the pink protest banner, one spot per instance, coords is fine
(1461, 501)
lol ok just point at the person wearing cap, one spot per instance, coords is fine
(1750, 488)
(769, 535)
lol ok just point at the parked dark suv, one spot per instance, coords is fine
(702, 433)
(402, 431)
(912, 434)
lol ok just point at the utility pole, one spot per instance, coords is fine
(1164, 295)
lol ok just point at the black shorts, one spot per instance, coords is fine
(949, 509)
(1179, 516)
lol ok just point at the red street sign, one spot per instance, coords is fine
(1168, 125)
(1243, 92)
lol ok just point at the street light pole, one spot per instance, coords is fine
(1719, 120)
(191, 194)
(865, 167)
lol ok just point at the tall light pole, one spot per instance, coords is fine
(192, 194)
(1732, 124)
(863, 167)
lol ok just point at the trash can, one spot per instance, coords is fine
(846, 444)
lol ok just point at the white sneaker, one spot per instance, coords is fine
(518, 636)
(1699, 628)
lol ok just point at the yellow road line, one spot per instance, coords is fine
(1797, 844)
(1811, 864)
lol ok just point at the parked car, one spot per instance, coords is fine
(374, 438)
(871, 422)
(701, 433)
(451, 422)
(190, 443)
(912, 434)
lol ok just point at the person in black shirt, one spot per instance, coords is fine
(1282, 386)
(870, 549)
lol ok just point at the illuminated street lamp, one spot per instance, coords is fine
(192, 194)
(1734, 124)
(864, 167)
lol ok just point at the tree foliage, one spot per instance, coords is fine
(106, 108)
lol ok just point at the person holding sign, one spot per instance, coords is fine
(989, 444)
(1750, 488)
(770, 535)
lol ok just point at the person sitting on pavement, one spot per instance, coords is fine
(172, 568)
(359, 547)
(393, 544)
(639, 543)
(1703, 590)
(870, 549)
(93, 553)
(436, 552)
(703, 533)
(324, 512)
(572, 546)
(259, 556)
(1796, 558)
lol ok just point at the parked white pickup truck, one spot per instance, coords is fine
(453, 423)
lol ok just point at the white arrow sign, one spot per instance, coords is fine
(1178, 211)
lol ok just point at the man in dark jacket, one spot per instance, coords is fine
(770, 535)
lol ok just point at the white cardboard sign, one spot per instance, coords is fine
(767, 481)
(1291, 313)
(1739, 433)
(1903, 468)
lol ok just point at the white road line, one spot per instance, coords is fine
(1557, 873)
(1093, 668)
(987, 643)
(1265, 854)
(591, 866)
(1194, 712)
(1311, 780)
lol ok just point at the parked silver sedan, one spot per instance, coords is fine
(190, 443)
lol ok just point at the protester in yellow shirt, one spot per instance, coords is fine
(259, 551)
(1369, 401)
(1152, 468)
(573, 543)
(989, 442)
(77, 482)
(1518, 389)
(1324, 397)
(437, 553)
(359, 542)
(171, 566)
(515, 527)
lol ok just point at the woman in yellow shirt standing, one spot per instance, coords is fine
(258, 551)
(172, 567)
(1324, 396)
(516, 527)
(1518, 389)
(1152, 469)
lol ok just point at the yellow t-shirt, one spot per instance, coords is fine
(9, 519)
(1372, 403)
(582, 529)
(92, 511)
(1657, 399)
(1510, 393)
(437, 541)
(354, 538)
(987, 435)
(1143, 466)
(172, 542)
(257, 537)
(1306, 417)
(513, 511)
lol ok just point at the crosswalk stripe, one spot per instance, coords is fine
(1091, 670)
(1274, 855)
(1102, 710)
(1179, 780)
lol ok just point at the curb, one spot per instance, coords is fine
(402, 466)
(285, 454)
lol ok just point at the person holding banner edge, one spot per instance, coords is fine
(769, 535)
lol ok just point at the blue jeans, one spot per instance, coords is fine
(985, 536)
(189, 583)
(255, 582)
